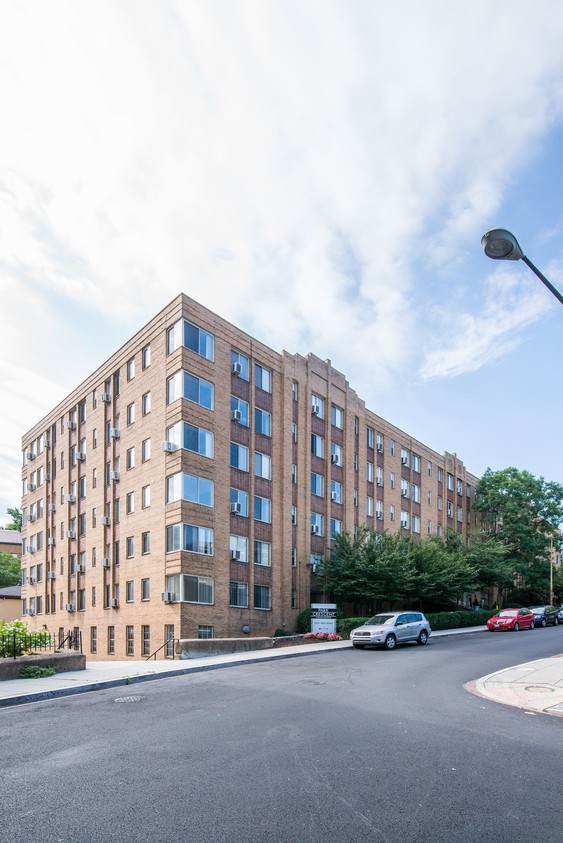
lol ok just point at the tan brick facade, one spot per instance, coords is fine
(69, 492)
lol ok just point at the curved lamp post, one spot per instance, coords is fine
(500, 245)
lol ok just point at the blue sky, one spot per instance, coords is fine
(320, 173)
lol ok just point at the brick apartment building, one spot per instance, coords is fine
(191, 485)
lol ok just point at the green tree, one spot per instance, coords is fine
(16, 516)
(10, 570)
(441, 571)
(491, 560)
(524, 513)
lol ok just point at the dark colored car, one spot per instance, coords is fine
(544, 615)
(511, 619)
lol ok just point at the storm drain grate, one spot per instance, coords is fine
(128, 699)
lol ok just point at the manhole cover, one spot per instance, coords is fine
(128, 699)
(541, 689)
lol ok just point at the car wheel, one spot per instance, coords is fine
(544, 622)
(556, 622)
(532, 625)
(358, 646)
(422, 638)
(516, 627)
(390, 642)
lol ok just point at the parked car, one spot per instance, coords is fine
(543, 615)
(560, 614)
(391, 628)
(511, 619)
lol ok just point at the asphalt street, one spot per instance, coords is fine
(342, 746)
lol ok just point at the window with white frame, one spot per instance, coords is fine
(262, 465)
(391, 513)
(370, 434)
(146, 357)
(336, 454)
(429, 468)
(335, 527)
(415, 524)
(145, 497)
(405, 519)
(189, 487)
(317, 485)
(239, 456)
(238, 594)
(129, 547)
(146, 542)
(318, 406)
(262, 378)
(415, 493)
(449, 509)
(379, 442)
(416, 463)
(369, 505)
(336, 491)
(404, 457)
(262, 509)
(130, 413)
(392, 447)
(239, 502)
(238, 547)
(337, 416)
(183, 384)
(239, 365)
(459, 486)
(293, 473)
(294, 390)
(262, 597)
(190, 336)
(404, 488)
(369, 472)
(317, 524)
(262, 422)
(189, 538)
(145, 450)
(317, 445)
(262, 553)
(392, 479)
(130, 458)
(146, 404)
(192, 438)
(239, 411)
(440, 504)
(459, 514)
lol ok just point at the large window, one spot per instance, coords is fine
(337, 416)
(239, 502)
(317, 485)
(238, 546)
(192, 438)
(183, 384)
(189, 538)
(318, 406)
(238, 594)
(317, 445)
(192, 337)
(189, 487)
(262, 509)
(262, 597)
(239, 411)
(262, 466)
(263, 378)
(239, 365)
(336, 491)
(239, 456)
(262, 553)
(317, 524)
(186, 588)
(262, 422)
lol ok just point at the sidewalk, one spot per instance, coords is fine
(536, 686)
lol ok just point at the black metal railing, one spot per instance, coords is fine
(169, 653)
(18, 644)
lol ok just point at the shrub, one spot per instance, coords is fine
(33, 671)
(282, 633)
(459, 619)
(16, 639)
(346, 625)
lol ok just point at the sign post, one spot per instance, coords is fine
(323, 617)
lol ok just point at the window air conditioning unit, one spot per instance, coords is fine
(235, 554)
(334, 496)
(114, 475)
(80, 568)
(315, 410)
(70, 498)
(70, 607)
(236, 368)
(236, 508)
(404, 493)
(379, 481)
(114, 603)
(315, 530)
(169, 447)
(31, 487)
(404, 524)
(30, 455)
(404, 460)
(106, 520)
(379, 516)
(80, 456)
(114, 433)
(31, 549)
(52, 507)
(32, 580)
(167, 596)
(51, 542)
(379, 448)
(31, 518)
(106, 397)
(51, 575)
(105, 562)
(31, 611)
(294, 520)
(236, 415)
(71, 534)
(71, 425)
(335, 459)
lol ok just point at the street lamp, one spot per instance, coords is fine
(500, 245)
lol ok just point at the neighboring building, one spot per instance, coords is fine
(11, 603)
(192, 484)
(11, 542)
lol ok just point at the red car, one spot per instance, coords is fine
(512, 619)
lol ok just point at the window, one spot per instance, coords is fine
(415, 524)
(459, 486)
(440, 475)
(392, 447)
(379, 443)
(131, 369)
(145, 640)
(440, 503)
(189, 487)
(146, 357)
(294, 557)
(262, 466)
(130, 547)
(111, 640)
(262, 598)
(450, 482)
(93, 639)
(189, 538)
(146, 542)
(429, 468)
(263, 378)
(404, 488)
(129, 591)
(369, 472)
(391, 513)
(369, 505)
(82, 486)
(145, 497)
(336, 454)
(130, 460)
(192, 438)
(404, 457)
(449, 509)
(145, 589)
(293, 432)
(262, 422)
(239, 502)
(130, 414)
(336, 491)
(318, 406)
(317, 485)
(238, 547)
(239, 456)
(404, 519)
(317, 445)
(146, 404)
(183, 384)
(192, 337)
(317, 524)
(294, 515)
(198, 589)
(262, 553)
(369, 437)
(294, 390)
(239, 411)
(293, 473)
(239, 365)
(379, 475)
(239, 594)
(336, 416)
(262, 509)
(459, 514)
(129, 641)
(316, 562)
(204, 631)
(416, 463)
(415, 493)
(379, 509)
(129, 503)
(335, 527)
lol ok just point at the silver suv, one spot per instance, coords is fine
(391, 628)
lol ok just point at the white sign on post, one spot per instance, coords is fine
(323, 617)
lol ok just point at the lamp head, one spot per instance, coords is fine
(500, 245)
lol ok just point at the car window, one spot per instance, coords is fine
(402, 619)
(379, 619)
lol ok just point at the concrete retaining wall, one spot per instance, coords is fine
(197, 648)
(62, 662)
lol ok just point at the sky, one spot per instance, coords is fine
(319, 173)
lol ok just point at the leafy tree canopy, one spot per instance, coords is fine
(16, 516)
(10, 570)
